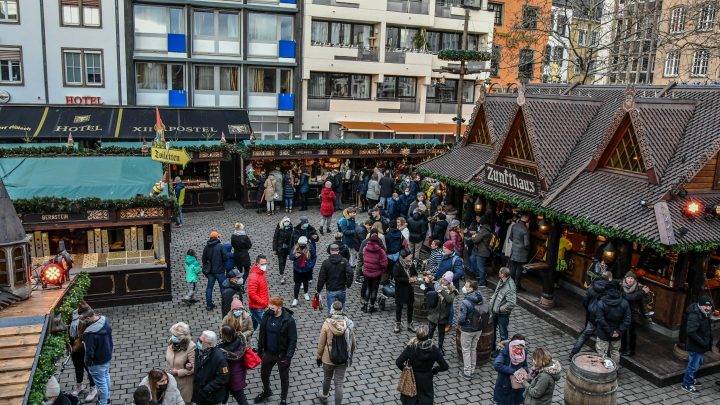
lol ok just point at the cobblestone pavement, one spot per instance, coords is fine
(140, 333)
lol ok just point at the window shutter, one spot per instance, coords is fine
(91, 3)
(9, 53)
(70, 2)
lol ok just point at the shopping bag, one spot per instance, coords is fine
(251, 359)
(315, 303)
(406, 384)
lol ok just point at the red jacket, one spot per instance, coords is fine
(327, 202)
(257, 289)
(374, 260)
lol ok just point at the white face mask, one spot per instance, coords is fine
(464, 290)
(263, 267)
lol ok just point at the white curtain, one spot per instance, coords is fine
(228, 25)
(150, 19)
(204, 78)
(319, 32)
(262, 27)
(151, 76)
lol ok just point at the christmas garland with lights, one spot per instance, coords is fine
(54, 346)
(246, 150)
(464, 55)
(61, 151)
(51, 205)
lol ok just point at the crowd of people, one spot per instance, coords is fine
(384, 253)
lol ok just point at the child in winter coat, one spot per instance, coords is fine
(303, 257)
(327, 207)
(192, 272)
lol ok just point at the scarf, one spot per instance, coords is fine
(239, 232)
(516, 359)
(180, 346)
(629, 288)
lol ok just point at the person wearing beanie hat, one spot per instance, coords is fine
(233, 288)
(303, 228)
(635, 294)
(282, 243)
(239, 318)
(52, 389)
(449, 245)
(698, 340)
(213, 261)
(336, 275)
(303, 257)
(241, 245)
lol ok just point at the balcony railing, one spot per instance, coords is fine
(394, 56)
(363, 54)
(318, 104)
(447, 107)
(335, 3)
(406, 106)
(408, 6)
(443, 9)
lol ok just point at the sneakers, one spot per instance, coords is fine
(398, 325)
(78, 389)
(697, 383)
(92, 395)
(465, 376)
(411, 327)
(307, 297)
(372, 309)
(262, 397)
(690, 388)
(322, 232)
(364, 307)
(282, 280)
(294, 303)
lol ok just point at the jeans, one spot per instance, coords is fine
(333, 296)
(78, 360)
(192, 287)
(695, 361)
(303, 201)
(270, 205)
(501, 322)
(383, 202)
(269, 361)
(325, 223)
(603, 346)
(441, 333)
(179, 216)
(468, 343)
(212, 278)
(288, 203)
(584, 336)
(371, 285)
(338, 373)
(353, 257)
(256, 315)
(100, 373)
(480, 263)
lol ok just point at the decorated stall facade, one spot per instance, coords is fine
(628, 177)
(101, 211)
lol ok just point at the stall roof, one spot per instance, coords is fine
(423, 128)
(173, 144)
(105, 177)
(365, 126)
(56, 122)
(259, 144)
(11, 229)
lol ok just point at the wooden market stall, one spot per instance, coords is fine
(100, 210)
(322, 156)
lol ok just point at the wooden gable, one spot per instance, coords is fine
(708, 178)
(480, 131)
(517, 152)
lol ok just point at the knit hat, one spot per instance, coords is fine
(448, 276)
(334, 247)
(303, 219)
(234, 273)
(236, 303)
(214, 234)
(302, 240)
(454, 223)
(704, 300)
(449, 245)
(630, 274)
(52, 389)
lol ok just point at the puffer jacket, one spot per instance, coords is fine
(699, 331)
(612, 314)
(539, 390)
(241, 248)
(172, 393)
(307, 265)
(336, 325)
(374, 259)
(348, 227)
(213, 257)
(192, 269)
(257, 288)
(304, 184)
(327, 202)
(394, 241)
(504, 298)
(418, 226)
(309, 232)
(467, 308)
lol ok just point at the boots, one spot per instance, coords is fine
(321, 231)
(411, 327)
(398, 326)
(372, 309)
(364, 307)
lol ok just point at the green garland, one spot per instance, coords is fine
(464, 55)
(51, 205)
(38, 151)
(582, 224)
(54, 346)
(246, 150)
(59, 151)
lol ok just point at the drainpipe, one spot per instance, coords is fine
(44, 50)
(117, 52)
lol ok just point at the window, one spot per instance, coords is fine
(19, 265)
(582, 37)
(9, 11)
(559, 54)
(526, 64)
(672, 64)
(216, 25)
(159, 20)
(339, 85)
(154, 76)
(561, 24)
(530, 17)
(517, 152)
(497, 8)
(495, 61)
(626, 155)
(547, 55)
(80, 13)
(401, 38)
(3, 268)
(229, 78)
(262, 80)
(204, 78)
(677, 20)
(594, 38)
(445, 91)
(578, 66)
(286, 80)
(341, 33)
(706, 20)
(269, 28)
(11, 65)
(203, 23)
(701, 59)
(228, 25)
(397, 87)
(83, 67)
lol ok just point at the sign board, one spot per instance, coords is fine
(91, 100)
(512, 180)
(4, 97)
(172, 156)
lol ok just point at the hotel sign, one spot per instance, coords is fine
(512, 180)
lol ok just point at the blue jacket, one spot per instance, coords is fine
(309, 263)
(347, 227)
(404, 204)
(214, 257)
(288, 187)
(228, 258)
(393, 208)
(304, 185)
(98, 342)
(467, 308)
(504, 394)
(452, 263)
(393, 241)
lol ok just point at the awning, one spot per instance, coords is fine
(20, 121)
(364, 126)
(423, 128)
(137, 123)
(81, 122)
(104, 177)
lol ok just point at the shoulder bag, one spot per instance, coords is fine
(406, 384)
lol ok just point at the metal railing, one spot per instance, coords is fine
(335, 3)
(392, 56)
(408, 6)
(448, 107)
(318, 104)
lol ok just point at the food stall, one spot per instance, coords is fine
(101, 211)
(321, 156)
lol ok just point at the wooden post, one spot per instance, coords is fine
(696, 264)
(623, 258)
(547, 297)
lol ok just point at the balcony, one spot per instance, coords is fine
(394, 56)
(408, 6)
(448, 107)
(336, 3)
(406, 106)
(364, 105)
(449, 9)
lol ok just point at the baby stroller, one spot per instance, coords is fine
(387, 290)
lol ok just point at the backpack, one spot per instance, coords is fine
(479, 317)
(431, 299)
(339, 353)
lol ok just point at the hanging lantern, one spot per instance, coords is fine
(693, 208)
(52, 274)
(716, 210)
(478, 205)
(543, 225)
(70, 141)
(608, 254)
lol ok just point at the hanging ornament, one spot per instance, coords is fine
(222, 138)
(70, 141)
(144, 148)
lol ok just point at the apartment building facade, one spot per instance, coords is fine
(62, 52)
(556, 55)
(370, 64)
(218, 54)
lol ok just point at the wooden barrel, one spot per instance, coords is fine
(419, 310)
(589, 382)
(484, 346)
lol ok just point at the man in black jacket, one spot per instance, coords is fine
(387, 187)
(418, 226)
(213, 259)
(233, 286)
(481, 248)
(612, 318)
(590, 301)
(634, 294)
(303, 229)
(335, 274)
(439, 227)
(699, 339)
(211, 374)
(276, 345)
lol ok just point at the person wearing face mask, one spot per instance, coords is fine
(439, 315)
(277, 340)
(303, 228)
(180, 359)
(241, 245)
(239, 319)
(698, 340)
(404, 273)
(393, 207)
(419, 199)
(163, 388)
(474, 316)
(348, 227)
(406, 199)
(233, 345)
(233, 288)
(258, 290)
(282, 242)
(211, 371)
(303, 256)
(450, 262)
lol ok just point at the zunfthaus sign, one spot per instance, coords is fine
(512, 179)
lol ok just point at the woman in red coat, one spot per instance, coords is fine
(327, 207)
(374, 265)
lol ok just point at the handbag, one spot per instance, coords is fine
(251, 359)
(388, 289)
(406, 385)
(315, 302)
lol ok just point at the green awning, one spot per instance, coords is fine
(104, 177)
